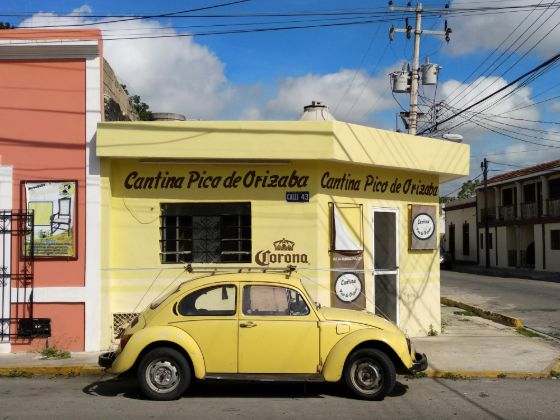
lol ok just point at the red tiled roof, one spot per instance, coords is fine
(524, 172)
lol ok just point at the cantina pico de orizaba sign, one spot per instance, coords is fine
(267, 179)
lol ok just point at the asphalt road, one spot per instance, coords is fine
(536, 303)
(91, 398)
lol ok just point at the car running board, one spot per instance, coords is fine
(264, 377)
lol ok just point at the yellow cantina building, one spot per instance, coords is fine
(353, 208)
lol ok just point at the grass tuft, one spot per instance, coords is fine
(54, 353)
(526, 332)
(16, 373)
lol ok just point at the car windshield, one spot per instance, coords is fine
(162, 299)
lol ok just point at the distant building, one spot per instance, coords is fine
(460, 229)
(523, 213)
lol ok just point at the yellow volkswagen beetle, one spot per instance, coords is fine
(258, 326)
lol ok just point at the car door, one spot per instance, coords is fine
(209, 316)
(278, 331)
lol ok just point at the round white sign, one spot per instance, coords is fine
(348, 287)
(423, 226)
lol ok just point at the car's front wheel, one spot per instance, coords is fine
(164, 374)
(370, 374)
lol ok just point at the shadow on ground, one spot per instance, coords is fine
(125, 386)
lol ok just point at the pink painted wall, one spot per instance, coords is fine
(67, 327)
(42, 135)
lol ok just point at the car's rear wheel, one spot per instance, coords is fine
(164, 374)
(370, 374)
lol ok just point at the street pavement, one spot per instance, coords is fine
(536, 303)
(423, 398)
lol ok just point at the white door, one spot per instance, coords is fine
(386, 262)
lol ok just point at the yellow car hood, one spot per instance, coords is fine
(358, 317)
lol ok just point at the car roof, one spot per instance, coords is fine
(200, 279)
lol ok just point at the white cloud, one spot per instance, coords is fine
(514, 107)
(555, 107)
(525, 155)
(177, 74)
(488, 30)
(366, 95)
(170, 74)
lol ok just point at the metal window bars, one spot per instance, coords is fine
(16, 278)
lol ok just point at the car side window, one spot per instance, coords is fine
(273, 301)
(210, 301)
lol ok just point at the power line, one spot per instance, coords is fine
(524, 75)
(492, 66)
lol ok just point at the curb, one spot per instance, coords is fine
(23, 371)
(487, 374)
(483, 313)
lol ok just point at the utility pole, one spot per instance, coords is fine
(413, 122)
(484, 167)
(415, 75)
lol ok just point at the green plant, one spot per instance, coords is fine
(16, 373)
(432, 332)
(526, 332)
(416, 375)
(451, 375)
(54, 353)
(554, 374)
(464, 313)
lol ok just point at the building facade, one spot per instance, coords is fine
(521, 211)
(352, 207)
(461, 230)
(523, 214)
(49, 189)
(98, 219)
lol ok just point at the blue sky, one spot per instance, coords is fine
(272, 75)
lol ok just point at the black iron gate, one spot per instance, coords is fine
(16, 278)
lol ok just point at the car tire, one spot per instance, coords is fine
(164, 374)
(370, 374)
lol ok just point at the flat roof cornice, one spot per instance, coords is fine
(282, 140)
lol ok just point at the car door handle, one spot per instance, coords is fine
(247, 325)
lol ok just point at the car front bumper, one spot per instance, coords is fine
(107, 359)
(420, 363)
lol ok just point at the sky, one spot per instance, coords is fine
(265, 60)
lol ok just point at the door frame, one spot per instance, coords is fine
(6, 203)
(396, 272)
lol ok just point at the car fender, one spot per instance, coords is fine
(334, 364)
(147, 336)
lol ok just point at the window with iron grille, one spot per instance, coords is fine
(205, 233)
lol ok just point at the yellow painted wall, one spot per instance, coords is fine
(134, 276)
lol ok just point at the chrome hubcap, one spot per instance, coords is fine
(367, 376)
(162, 376)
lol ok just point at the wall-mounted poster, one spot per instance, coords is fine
(423, 227)
(54, 208)
(347, 256)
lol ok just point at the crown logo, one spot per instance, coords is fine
(284, 245)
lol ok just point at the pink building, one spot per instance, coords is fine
(51, 90)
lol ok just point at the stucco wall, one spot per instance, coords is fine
(134, 275)
(552, 256)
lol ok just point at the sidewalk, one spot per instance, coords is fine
(469, 346)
